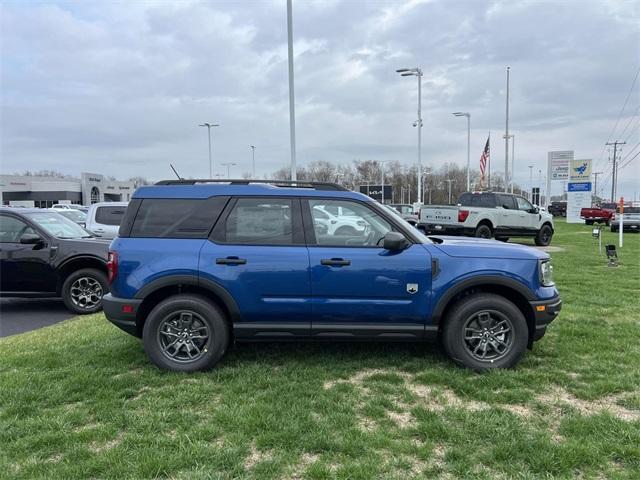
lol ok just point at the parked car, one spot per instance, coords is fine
(598, 214)
(199, 265)
(104, 218)
(342, 222)
(77, 216)
(558, 209)
(487, 215)
(406, 211)
(70, 206)
(630, 223)
(43, 254)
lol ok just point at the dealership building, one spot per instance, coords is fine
(47, 191)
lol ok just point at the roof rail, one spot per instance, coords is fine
(277, 183)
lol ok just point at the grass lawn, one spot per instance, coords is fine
(80, 399)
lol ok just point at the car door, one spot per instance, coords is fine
(256, 252)
(24, 267)
(359, 289)
(511, 222)
(529, 219)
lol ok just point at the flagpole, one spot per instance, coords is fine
(489, 164)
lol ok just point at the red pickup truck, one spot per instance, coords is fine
(601, 214)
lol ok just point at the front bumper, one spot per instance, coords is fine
(545, 311)
(122, 312)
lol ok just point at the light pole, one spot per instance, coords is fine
(292, 107)
(468, 115)
(530, 183)
(506, 139)
(449, 182)
(417, 72)
(540, 186)
(425, 188)
(382, 178)
(228, 165)
(209, 125)
(513, 146)
(253, 160)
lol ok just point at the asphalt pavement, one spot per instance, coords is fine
(19, 315)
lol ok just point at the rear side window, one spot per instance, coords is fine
(507, 201)
(109, 215)
(477, 200)
(177, 218)
(258, 221)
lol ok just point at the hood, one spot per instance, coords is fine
(472, 247)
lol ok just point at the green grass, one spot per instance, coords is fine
(80, 399)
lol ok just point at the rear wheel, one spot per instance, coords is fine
(186, 333)
(544, 235)
(588, 222)
(485, 331)
(483, 231)
(83, 289)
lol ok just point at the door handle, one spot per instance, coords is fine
(231, 261)
(336, 262)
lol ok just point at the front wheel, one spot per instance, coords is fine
(544, 235)
(485, 331)
(83, 289)
(185, 333)
(588, 222)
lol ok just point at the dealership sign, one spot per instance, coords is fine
(375, 192)
(578, 189)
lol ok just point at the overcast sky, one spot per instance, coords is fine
(119, 87)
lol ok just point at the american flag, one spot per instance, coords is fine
(483, 161)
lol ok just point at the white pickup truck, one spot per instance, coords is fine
(487, 215)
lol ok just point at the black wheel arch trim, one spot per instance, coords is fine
(193, 281)
(69, 260)
(479, 281)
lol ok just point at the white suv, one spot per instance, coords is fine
(487, 215)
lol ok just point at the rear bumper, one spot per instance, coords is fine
(444, 229)
(545, 311)
(122, 312)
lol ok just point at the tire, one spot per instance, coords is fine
(483, 231)
(503, 239)
(346, 232)
(468, 315)
(544, 236)
(588, 222)
(82, 290)
(607, 222)
(164, 324)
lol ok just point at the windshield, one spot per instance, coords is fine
(55, 224)
(75, 215)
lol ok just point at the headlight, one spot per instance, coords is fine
(546, 273)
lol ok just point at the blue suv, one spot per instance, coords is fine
(199, 264)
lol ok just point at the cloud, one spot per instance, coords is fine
(121, 89)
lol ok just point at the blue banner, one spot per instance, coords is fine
(579, 187)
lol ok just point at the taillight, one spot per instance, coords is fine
(462, 215)
(112, 266)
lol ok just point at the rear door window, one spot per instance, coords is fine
(477, 200)
(177, 218)
(508, 202)
(261, 221)
(109, 215)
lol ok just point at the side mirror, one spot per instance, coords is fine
(31, 239)
(535, 210)
(505, 206)
(395, 241)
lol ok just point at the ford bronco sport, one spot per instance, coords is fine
(200, 264)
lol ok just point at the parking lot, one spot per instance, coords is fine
(20, 315)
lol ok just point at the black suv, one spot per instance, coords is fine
(43, 254)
